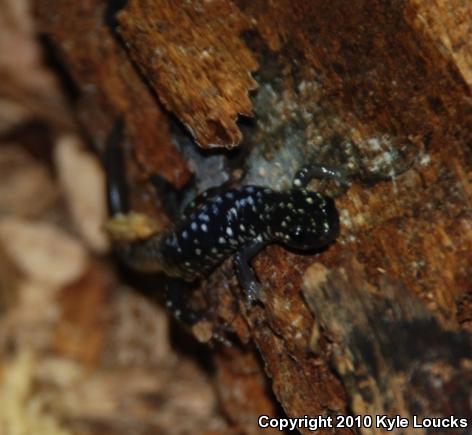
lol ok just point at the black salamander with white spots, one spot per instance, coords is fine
(223, 222)
(240, 222)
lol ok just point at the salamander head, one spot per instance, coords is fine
(304, 220)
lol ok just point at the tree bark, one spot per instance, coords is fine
(379, 322)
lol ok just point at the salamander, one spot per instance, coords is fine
(235, 222)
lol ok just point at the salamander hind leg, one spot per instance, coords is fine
(199, 321)
(177, 302)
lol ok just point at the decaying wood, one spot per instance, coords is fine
(412, 368)
(379, 88)
(194, 51)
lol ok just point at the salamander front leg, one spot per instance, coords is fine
(320, 172)
(245, 273)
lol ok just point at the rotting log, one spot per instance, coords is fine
(379, 88)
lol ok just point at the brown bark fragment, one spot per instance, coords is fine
(193, 55)
(303, 383)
